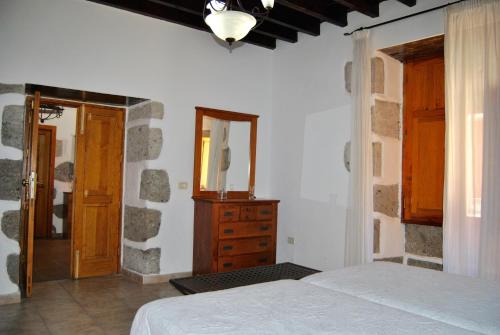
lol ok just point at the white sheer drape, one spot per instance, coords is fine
(359, 227)
(471, 224)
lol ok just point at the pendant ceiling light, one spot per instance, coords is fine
(230, 21)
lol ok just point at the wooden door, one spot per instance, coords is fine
(97, 215)
(45, 181)
(423, 141)
(29, 193)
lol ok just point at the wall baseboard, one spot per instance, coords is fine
(152, 279)
(13, 298)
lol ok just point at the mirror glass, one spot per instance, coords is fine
(225, 155)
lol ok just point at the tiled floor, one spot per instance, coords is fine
(105, 305)
(51, 259)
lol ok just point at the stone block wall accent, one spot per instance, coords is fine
(425, 264)
(143, 143)
(155, 186)
(386, 118)
(377, 159)
(147, 188)
(12, 112)
(13, 268)
(141, 224)
(13, 126)
(424, 240)
(146, 110)
(398, 260)
(64, 172)
(11, 88)
(10, 179)
(142, 261)
(386, 199)
(378, 75)
(11, 221)
(376, 236)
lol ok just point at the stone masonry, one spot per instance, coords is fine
(10, 224)
(376, 236)
(386, 199)
(378, 75)
(155, 186)
(143, 143)
(13, 126)
(142, 261)
(424, 240)
(386, 118)
(64, 172)
(13, 268)
(147, 110)
(425, 264)
(141, 224)
(10, 179)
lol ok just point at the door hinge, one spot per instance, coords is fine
(82, 120)
(77, 263)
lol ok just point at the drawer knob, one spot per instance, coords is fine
(262, 260)
(227, 247)
(228, 231)
(264, 228)
(266, 212)
(228, 213)
(263, 244)
(226, 265)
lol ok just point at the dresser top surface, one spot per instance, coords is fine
(236, 201)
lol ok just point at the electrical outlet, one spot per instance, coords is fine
(183, 185)
(291, 240)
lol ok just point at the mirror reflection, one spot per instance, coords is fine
(225, 155)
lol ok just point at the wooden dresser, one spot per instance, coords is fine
(233, 234)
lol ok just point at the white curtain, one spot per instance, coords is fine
(471, 224)
(359, 227)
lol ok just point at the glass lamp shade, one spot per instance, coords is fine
(230, 25)
(268, 4)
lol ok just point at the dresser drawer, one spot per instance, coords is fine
(248, 213)
(265, 212)
(229, 213)
(245, 246)
(245, 229)
(230, 263)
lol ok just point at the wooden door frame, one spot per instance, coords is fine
(52, 163)
(27, 240)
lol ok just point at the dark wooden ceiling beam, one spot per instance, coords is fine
(366, 7)
(328, 13)
(195, 7)
(156, 10)
(409, 3)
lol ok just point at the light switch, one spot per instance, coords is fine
(183, 185)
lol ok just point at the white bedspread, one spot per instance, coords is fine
(460, 301)
(282, 307)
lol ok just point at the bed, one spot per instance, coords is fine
(369, 299)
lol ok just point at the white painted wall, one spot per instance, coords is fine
(311, 123)
(66, 126)
(82, 45)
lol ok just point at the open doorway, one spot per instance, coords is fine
(72, 184)
(54, 194)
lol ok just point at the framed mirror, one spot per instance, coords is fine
(224, 153)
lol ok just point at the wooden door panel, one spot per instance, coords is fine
(98, 191)
(423, 141)
(428, 166)
(45, 181)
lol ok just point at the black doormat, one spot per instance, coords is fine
(243, 277)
